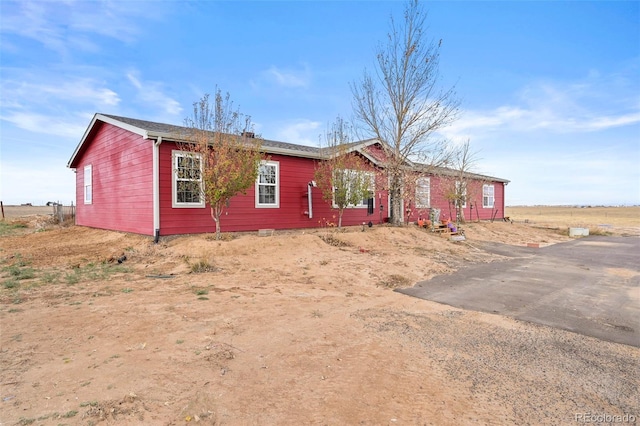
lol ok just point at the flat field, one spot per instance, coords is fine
(581, 217)
(297, 328)
(11, 212)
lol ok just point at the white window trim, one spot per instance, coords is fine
(174, 181)
(275, 205)
(88, 184)
(363, 204)
(428, 185)
(493, 196)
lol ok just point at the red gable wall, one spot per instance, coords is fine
(376, 152)
(122, 181)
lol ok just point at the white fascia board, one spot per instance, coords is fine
(125, 126)
(84, 137)
(162, 135)
(266, 149)
(292, 153)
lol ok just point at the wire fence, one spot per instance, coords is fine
(62, 214)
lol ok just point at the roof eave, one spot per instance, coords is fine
(292, 152)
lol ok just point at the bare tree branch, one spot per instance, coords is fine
(402, 104)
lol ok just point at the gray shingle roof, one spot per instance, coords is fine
(153, 129)
(178, 133)
(149, 125)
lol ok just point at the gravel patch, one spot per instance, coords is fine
(541, 374)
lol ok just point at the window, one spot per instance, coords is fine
(488, 197)
(423, 192)
(350, 180)
(187, 180)
(88, 184)
(461, 194)
(268, 185)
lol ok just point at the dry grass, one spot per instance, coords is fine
(597, 219)
(21, 211)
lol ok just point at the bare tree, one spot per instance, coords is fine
(342, 178)
(456, 182)
(223, 155)
(401, 103)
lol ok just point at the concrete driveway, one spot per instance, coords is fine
(589, 286)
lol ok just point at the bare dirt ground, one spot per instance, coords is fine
(296, 328)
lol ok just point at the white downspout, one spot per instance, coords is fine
(310, 203)
(156, 189)
(309, 196)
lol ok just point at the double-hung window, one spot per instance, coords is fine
(488, 196)
(88, 184)
(187, 180)
(268, 185)
(423, 192)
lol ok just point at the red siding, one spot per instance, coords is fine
(122, 173)
(122, 177)
(474, 206)
(376, 152)
(242, 215)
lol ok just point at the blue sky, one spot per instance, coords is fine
(550, 90)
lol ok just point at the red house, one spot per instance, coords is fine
(126, 180)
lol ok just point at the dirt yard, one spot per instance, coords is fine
(296, 328)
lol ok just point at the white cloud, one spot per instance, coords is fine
(601, 123)
(287, 78)
(32, 20)
(59, 108)
(151, 93)
(302, 131)
(595, 103)
(77, 90)
(71, 25)
(65, 126)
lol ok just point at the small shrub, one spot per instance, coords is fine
(332, 240)
(599, 231)
(11, 283)
(225, 236)
(202, 266)
(73, 277)
(396, 281)
(19, 271)
(69, 414)
(26, 274)
(50, 277)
